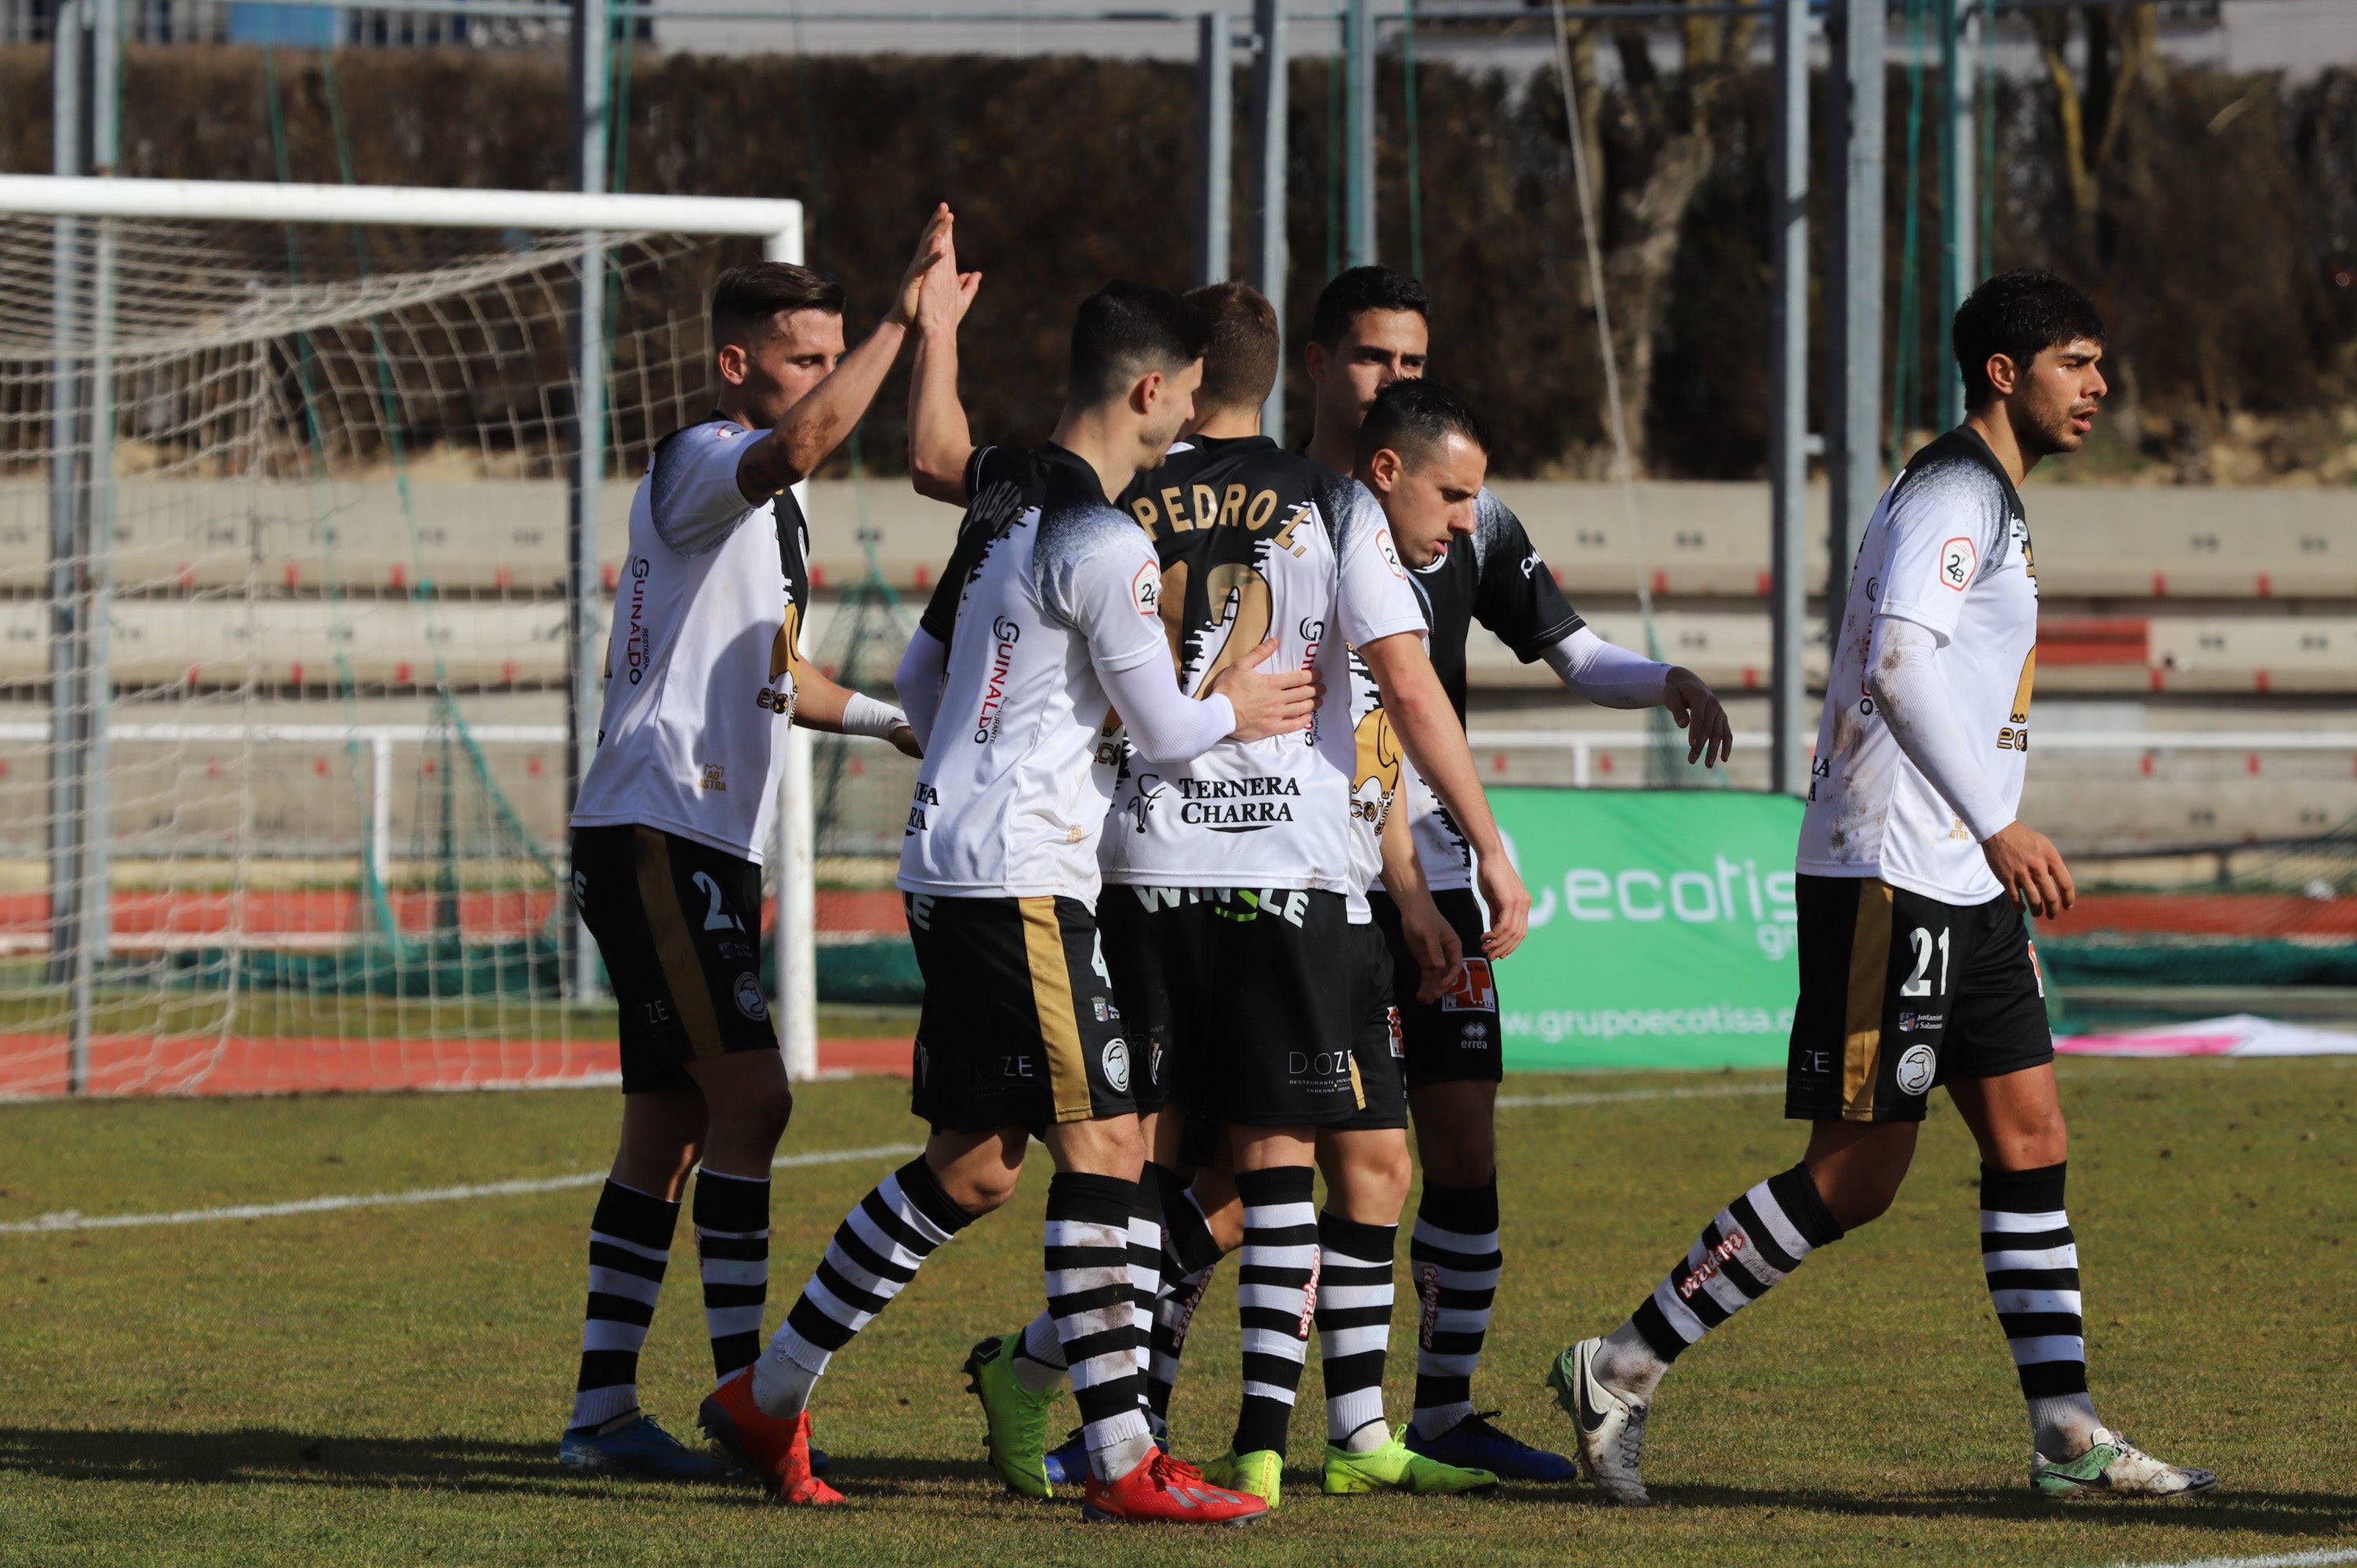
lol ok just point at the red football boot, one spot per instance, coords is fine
(1167, 1491)
(774, 1452)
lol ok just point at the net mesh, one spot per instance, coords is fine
(283, 642)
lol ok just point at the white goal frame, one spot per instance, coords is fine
(593, 215)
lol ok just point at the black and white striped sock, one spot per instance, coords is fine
(1454, 1260)
(1276, 1292)
(877, 1250)
(1095, 1309)
(732, 1241)
(1354, 1325)
(2031, 1261)
(629, 1245)
(1189, 1255)
(1755, 1241)
(1146, 1249)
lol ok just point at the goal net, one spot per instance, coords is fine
(283, 650)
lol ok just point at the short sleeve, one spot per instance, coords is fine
(989, 465)
(1515, 595)
(1106, 582)
(692, 494)
(1376, 600)
(1942, 524)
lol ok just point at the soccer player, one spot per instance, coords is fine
(702, 667)
(1053, 612)
(1916, 969)
(1468, 562)
(1268, 1000)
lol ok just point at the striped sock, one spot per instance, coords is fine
(1095, 1309)
(1453, 1259)
(1191, 1253)
(1755, 1241)
(1276, 1291)
(1354, 1324)
(1146, 1246)
(2032, 1264)
(877, 1250)
(732, 1238)
(629, 1244)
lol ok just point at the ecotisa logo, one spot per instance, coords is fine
(994, 682)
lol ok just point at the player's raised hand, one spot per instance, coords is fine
(931, 245)
(1509, 903)
(1709, 737)
(1265, 703)
(948, 293)
(2032, 869)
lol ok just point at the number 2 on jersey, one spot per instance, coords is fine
(716, 918)
(1919, 983)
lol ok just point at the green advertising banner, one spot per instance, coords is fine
(1662, 928)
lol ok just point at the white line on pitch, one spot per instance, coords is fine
(1718, 1091)
(73, 1221)
(2290, 1560)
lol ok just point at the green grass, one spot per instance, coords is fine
(386, 1385)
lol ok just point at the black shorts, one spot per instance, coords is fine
(1457, 1038)
(1901, 992)
(1379, 1044)
(1151, 945)
(680, 926)
(1276, 1031)
(1020, 1028)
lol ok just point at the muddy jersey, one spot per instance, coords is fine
(701, 664)
(1047, 585)
(1497, 577)
(1254, 542)
(1948, 549)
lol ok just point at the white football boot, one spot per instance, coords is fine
(1610, 1428)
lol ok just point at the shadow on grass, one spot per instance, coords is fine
(276, 1456)
(2265, 1513)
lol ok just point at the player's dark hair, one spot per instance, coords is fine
(1414, 417)
(1240, 364)
(2019, 314)
(1126, 329)
(746, 299)
(1354, 293)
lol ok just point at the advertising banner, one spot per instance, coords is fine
(1662, 928)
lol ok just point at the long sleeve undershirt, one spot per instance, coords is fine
(1164, 724)
(1604, 673)
(1914, 703)
(918, 682)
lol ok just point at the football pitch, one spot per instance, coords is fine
(386, 1383)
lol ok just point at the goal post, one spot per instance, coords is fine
(162, 383)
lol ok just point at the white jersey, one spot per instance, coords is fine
(1051, 586)
(1256, 543)
(1949, 550)
(701, 664)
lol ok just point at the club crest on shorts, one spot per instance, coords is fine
(749, 1000)
(1477, 993)
(1116, 1066)
(1916, 1065)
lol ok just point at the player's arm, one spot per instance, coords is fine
(821, 705)
(918, 682)
(1439, 956)
(939, 443)
(1611, 676)
(817, 425)
(1425, 722)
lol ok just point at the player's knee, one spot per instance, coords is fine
(763, 1113)
(979, 1191)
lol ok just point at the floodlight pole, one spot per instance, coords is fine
(1215, 140)
(1853, 436)
(1960, 202)
(1788, 462)
(1271, 96)
(584, 690)
(1358, 138)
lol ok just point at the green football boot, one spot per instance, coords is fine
(2114, 1468)
(1259, 1473)
(1396, 1468)
(1015, 1417)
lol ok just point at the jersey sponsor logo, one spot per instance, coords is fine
(638, 640)
(1389, 552)
(926, 796)
(1532, 566)
(1917, 1064)
(749, 1000)
(1247, 904)
(1476, 992)
(993, 689)
(1712, 1262)
(714, 779)
(1235, 805)
(1911, 1022)
(1145, 588)
(921, 911)
(581, 890)
(1958, 557)
(1116, 1066)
